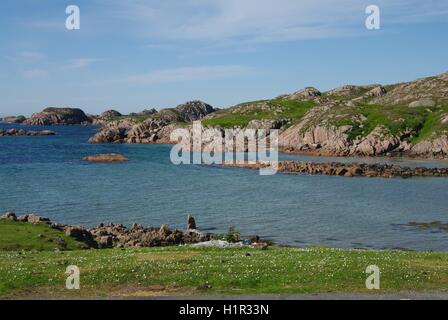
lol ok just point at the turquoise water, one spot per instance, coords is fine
(45, 175)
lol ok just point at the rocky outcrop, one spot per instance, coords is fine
(349, 169)
(110, 157)
(18, 119)
(80, 234)
(318, 139)
(146, 132)
(25, 133)
(187, 112)
(193, 111)
(437, 147)
(376, 143)
(376, 92)
(112, 132)
(110, 114)
(267, 124)
(304, 94)
(120, 236)
(431, 88)
(347, 90)
(58, 116)
(9, 216)
(156, 129)
(149, 131)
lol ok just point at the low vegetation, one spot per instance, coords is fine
(418, 123)
(19, 236)
(241, 115)
(29, 267)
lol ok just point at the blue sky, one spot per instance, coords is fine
(131, 55)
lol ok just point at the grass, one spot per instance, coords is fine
(278, 108)
(195, 271)
(420, 122)
(186, 270)
(40, 237)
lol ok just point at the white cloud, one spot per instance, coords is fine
(35, 73)
(256, 21)
(31, 55)
(80, 63)
(184, 74)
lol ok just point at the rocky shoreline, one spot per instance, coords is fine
(137, 236)
(348, 169)
(404, 119)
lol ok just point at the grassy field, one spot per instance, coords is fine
(185, 270)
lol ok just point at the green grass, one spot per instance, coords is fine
(191, 271)
(433, 126)
(16, 236)
(203, 271)
(278, 108)
(421, 122)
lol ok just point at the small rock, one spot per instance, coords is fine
(445, 118)
(111, 157)
(33, 218)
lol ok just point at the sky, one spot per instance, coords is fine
(138, 54)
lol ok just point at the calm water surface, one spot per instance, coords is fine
(45, 175)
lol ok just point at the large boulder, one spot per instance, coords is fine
(422, 103)
(191, 222)
(376, 92)
(81, 234)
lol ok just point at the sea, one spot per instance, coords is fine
(46, 175)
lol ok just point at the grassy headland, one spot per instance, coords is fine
(29, 267)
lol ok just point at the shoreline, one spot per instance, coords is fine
(390, 156)
(106, 236)
(283, 150)
(347, 169)
(119, 236)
